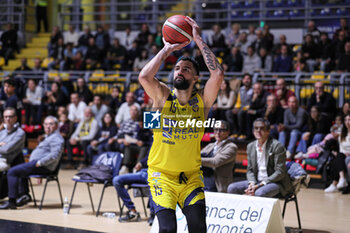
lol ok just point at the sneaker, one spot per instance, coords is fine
(342, 183)
(151, 219)
(123, 170)
(331, 189)
(24, 199)
(288, 155)
(300, 155)
(130, 216)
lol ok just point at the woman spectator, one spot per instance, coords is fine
(55, 98)
(299, 63)
(318, 127)
(344, 147)
(141, 61)
(108, 130)
(225, 101)
(345, 110)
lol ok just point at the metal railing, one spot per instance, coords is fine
(101, 82)
(12, 12)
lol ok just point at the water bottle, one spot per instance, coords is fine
(65, 205)
(109, 215)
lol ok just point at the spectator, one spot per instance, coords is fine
(344, 146)
(82, 136)
(251, 62)
(99, 109)
(266, 171)
(43, 160)
(218, 40)
(327, 55)
(12, 139)
(343, 27)
(83, 42)
(265, 60)
(56, 34)
(283, 62)
(323, 100)
(78, 62)
(12, 98)
(38, 69)
(102, 42)
(313, 31)
(150, 42)
(251, 34)
(83, 91)
(282, 93)
(116, 55)
(8, 43)
(71, 36)
(345, 109)
(132, 54)
(224, 102)
(198, 57)
(115, 100)
(55, 98)
(41, 15)
(240, 109)
(300, 63)
(141, 61)
(242, 43)
(32, 102)
(57, 53)
(274, 114)
(218, 160)
(268, 38)
(127, 38)
(24, 66)
(339, 44)
(65, 126)
(294, 124)
(277, 49)
(139, 95)
(310, 51)
(260, 41)
(158, 36)
(233, 62)
(343, 64)
(68, 57)
(143, 35)
(124, 110)
(76, 108)
(234, 35)
(92, 56)
(127, 140)
(318, 127)
(107, 131)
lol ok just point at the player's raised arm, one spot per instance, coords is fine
(212, 86)
(154, 88)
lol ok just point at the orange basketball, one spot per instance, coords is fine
(177, 30)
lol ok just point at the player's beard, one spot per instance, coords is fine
(181, 84)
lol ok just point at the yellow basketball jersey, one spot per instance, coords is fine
(176, 145)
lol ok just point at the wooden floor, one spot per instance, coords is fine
(320, 212)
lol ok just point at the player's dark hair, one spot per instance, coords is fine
(190, 59)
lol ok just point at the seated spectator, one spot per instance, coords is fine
(299, 64)
(313, 31)
(69, 54)
(233, 35)
(83, 42)
(76, 108)
(282, 93)
(344, 147)
(24, 66)
(277, 49)
(127, 38)
(323, 100)
(99, 109)
(294, 124)
(218, 160)
(32, 102)
(127, 139)
(218, 40)
(337, 167)
(71, 36)
(102, 42)
(56, 34)
(83, 91)
(141, 61)
(318, 125)
(12, 98)
(327, 54)
(43, 160)
(12, 139)
(150, 42)
(139, 177)
(55, 98)
(343, 63)
(139, 95)
(251, 62)
(141, 38)
(274, 114)
(251, 34)
(115, 99)
(242, 43)
(38, 69)
(8, 43)
(82, 136)
(268, 37)
(265, 60)
(65, 127)
(266, 171)
(345, 109)
(57, 53)
(116, 55)
(123, 113)
(310, 51)
(107, 131)
(238, 116)
(78, 62)
(92, 55)
(224, 102)
(260, 41)
(132, 54)
(283, 62)
(233, 62)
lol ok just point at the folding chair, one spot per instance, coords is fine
(140, 187)
(49, 178)
(112, 159)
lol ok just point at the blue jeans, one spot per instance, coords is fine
(293, 139)
(120, 181)
(268, 190)
(302, 147)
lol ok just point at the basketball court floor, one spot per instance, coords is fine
(320, 212)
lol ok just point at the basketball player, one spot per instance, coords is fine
(174, 173)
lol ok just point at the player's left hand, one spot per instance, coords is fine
(195, 28)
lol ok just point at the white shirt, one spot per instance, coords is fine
(261, 160)
(344, 146)
(76, 112)
(124, 112)
(71, 38)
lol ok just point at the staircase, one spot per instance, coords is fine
(37, 48)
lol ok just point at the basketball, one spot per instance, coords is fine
(177, 30)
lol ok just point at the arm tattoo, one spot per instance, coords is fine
(208, 56)
(218, 65)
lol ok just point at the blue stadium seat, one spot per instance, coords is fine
(250, 4)
(236, 4)
(234, 14)
(294, 13)
(292, 3)
(325, 12)
(342, 11)
(248, 14)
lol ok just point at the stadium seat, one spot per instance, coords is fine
(234, 14)
(325, 12)
(342, 11)
(294, 13)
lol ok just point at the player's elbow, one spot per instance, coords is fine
(219, 75)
